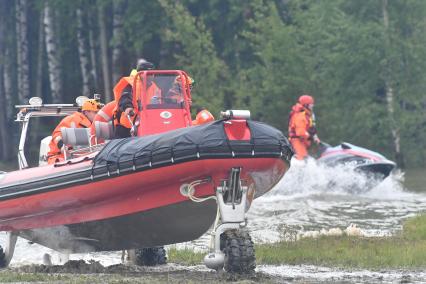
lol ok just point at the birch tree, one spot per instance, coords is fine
(117, 39)
(40, 52)
(22, 51)
(52, 54)
(4, 139)
(82, 51)
(93, 58)
(389, 89)
(104, 53)
(7, 81)
(6, 51)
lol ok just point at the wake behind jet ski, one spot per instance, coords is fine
(360, 159)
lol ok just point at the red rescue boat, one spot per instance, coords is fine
(167, 184)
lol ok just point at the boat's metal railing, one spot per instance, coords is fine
(83, 151)
(26, 112)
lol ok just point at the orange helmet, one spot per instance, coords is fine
(306, 100)
(90, 105)
(191, 81)
(202, 117)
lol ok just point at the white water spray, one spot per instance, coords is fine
(312, 197)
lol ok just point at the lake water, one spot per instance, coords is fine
(313, 197)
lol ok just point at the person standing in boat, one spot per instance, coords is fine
(301, 126)
(78, 119)
(123, 96)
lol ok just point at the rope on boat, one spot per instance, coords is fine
(191, 192)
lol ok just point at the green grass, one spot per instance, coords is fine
(185, 256)
(393, 252)
(405, 250)
(7, 277)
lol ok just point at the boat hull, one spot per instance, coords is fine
(128, 194)
(169, 224)
(133, 209)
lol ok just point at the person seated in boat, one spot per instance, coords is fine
(124, 113)
(301, 126)
(79, 119)
(175, 95)
(106, 115)
(153, 91)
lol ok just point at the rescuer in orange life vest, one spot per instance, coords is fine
(105, 114)
(123, 94)
(81, 119)
(174, 95)
(301, 126)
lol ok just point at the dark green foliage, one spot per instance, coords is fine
(261, 55)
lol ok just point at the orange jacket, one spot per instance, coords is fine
(300, 122)
(75, 120)
(120, 119)
(121, 85)
(105, 114)
(153, 94)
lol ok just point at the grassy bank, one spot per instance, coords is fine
(406, 250)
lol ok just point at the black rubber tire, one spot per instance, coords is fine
(2, 258)
(150, 256)
(239, 252)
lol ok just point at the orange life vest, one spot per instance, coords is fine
(153, 94)
(118, 90)
(300, 122)
(121, 85)
(75, 120)
(105, 114)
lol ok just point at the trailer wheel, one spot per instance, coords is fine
(150, 256)
(2, 258)
(239, 252)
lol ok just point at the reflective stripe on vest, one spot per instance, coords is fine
(104, 115)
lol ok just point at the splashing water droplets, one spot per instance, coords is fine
(312, 197)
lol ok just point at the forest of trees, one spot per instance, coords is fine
(363, 61)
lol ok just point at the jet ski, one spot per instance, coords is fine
(357, 158)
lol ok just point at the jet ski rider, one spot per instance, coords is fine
(301, 126)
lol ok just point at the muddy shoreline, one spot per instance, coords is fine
(79, 271)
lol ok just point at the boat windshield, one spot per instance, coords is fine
(164, 91)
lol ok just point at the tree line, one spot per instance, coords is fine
(363, 61)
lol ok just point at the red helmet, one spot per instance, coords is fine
(202, 117)
(306, 100)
